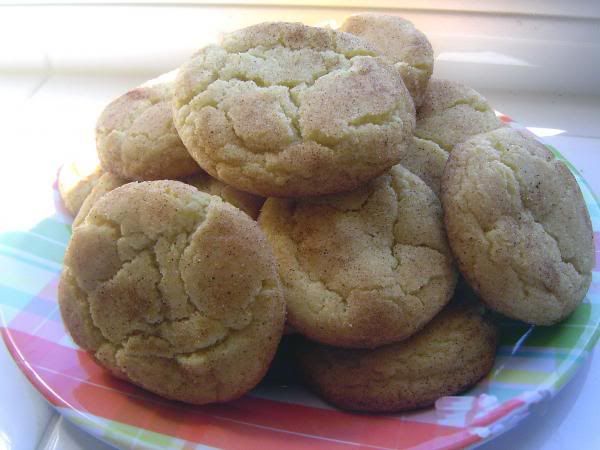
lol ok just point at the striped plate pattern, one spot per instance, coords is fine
(533, 363)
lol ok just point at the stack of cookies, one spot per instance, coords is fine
(319, 172)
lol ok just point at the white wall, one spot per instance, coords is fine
(539, 46)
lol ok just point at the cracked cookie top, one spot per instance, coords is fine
(283, 109)
(518, 226)
(364, 268)
(427, 160)
(398, 39)
(450, 354)
(202, 181)
(136, 138)
(106, 183)
(174, 290)
(249, 203)
(452, 112)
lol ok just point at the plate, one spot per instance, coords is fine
(532, 365)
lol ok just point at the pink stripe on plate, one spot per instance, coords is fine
(26, 322)
(50, 291)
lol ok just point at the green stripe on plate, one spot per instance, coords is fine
(558, 336)
(155, 439)
(500, 391)
(13, 297)
(592, 333)
(10, 253)
(527, 353)
(141, 437)
(7, 314)
(34, 245)
(566, 375)
(121, 428)
(581, 316)
(54, 230)
(520, 376)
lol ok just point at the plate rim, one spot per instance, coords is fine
(473, 436)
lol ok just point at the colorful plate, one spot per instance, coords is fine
(533, 363)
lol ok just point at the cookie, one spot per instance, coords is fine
(518, 226)
(249, 203)
(426, 159)
(454, 351)
(452, 112)
(364, 268)
(174, 290)
(136, 138)
(287, 110)
(398, 39)
(76, 180)
(106, 183)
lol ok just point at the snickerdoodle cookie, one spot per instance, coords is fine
(106, 183)
(174, 290)
(518, 226)
(452, 112)
(76, 180)
(136, 138)
(249, 203)
(398, 39)
(284, 109)
(452, 352)
(363, 268)
(426, 159)
(202, 181)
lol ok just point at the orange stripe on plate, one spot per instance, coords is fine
(497, 413)
(456, 441)
(174, 419)
(66, 360)
(374, 430)
(70, 377)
